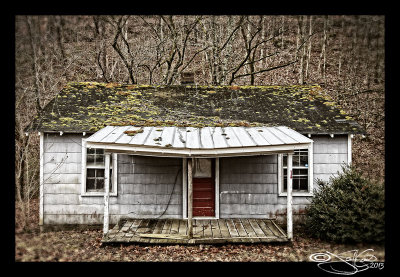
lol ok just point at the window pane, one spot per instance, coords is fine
(300, 175)
(303, 160)
(303, 171)
(100, 151)
(303, 183)
(90, 158)
(91, 151)
(99, 159)
(296, 160)
(284, 183)
(91, 172)
(99, 172)
(99, 183)
(295, 184)
(90, 184)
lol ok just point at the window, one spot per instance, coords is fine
(93, 172)
(95, 166)
(202, 168)
(302, 173)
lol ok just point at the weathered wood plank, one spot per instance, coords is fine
(167, 227)
(272, 228)
(239, 227)
(231, 228)
(279, 229)
(223, 228)
(216, 232)
(257, 229)
(206, 231)
(206, 228)
(174, 226)
(197, 229)
(265, 228)
(135, 225)
(148, 230)
(249, 230)
(182, 227)
(158, 230)
(159, 227)
(125, 230)
(143, 228)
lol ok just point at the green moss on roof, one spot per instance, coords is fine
(90, 106)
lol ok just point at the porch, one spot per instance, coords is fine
(205, 231)
(193, 144)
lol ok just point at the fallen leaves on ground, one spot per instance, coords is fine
(73, 246)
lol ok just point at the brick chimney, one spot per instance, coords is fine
(187, 78)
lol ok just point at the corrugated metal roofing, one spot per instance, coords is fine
(198, 138)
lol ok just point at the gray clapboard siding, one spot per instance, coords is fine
(329, 155)
(65, 178)
(327, 168)
(332, 148)
(248, 188)
(74, 219)
(146, 184)
(61, 199)
(62, 189)
(332, 158)
(68, 168)
(62, 147)
(62, 157)
(248, 185)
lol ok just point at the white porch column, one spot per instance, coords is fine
(190, 198)
(184, 188)
(289, 196)
(106, 192)
(217, 187)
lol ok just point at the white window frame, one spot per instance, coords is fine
(310, 175)
(114, 191)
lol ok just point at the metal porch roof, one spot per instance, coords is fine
(188, 141)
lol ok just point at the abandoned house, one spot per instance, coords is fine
(239, 157)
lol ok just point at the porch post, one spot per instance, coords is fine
(289, 196)
(190, 198)
(184, 188)
(106, 192)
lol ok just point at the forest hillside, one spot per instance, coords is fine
(343, 54)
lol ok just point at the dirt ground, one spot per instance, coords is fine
(32, 245)
(85, 245)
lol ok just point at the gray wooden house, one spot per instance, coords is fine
(157, 156)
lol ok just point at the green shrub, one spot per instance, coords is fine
(349, 208)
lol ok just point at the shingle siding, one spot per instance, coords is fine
(248, 185)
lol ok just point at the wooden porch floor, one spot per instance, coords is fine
(206, 231)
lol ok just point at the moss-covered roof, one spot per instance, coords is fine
(90, 106)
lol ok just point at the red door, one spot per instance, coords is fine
(204, 189)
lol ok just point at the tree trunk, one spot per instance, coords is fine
(309, 48)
